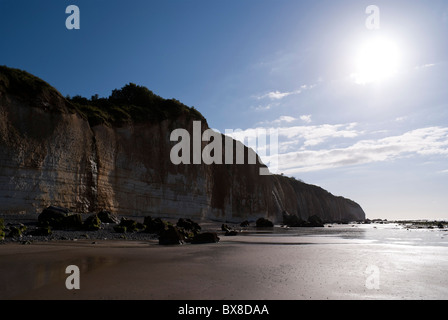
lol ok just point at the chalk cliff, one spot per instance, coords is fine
(52, 153)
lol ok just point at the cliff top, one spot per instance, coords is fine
(130, 104)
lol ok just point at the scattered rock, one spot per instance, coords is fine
(130, 224)
(108, 217)
(264, 223)
(156, 225)
(229, 231)
(2, 229)
(53, 217)
(92, 223)
(41, 231)
(73, 222)
(120, 229)
(291, 220)
(16, 231)
(206, 237)
(171, 236)
(244, 224)
(189, 225)
(315, 221)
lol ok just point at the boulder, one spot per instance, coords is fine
(156, 225)
(73, 222)
(292, 220)
(264, 223)
(189, 225)
(92, 223)
(315, 221)
(170, 236)
(231, 233)
(131, 225)
(108, 217)
(225, 227)
(244, 224)
(53, 217)
(16, 231)
(206, 237)
(120, 229)
(2, 229)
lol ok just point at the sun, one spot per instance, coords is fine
(376, 60)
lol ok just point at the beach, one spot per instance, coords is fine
(336, 262)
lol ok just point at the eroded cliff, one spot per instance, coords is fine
(53, 152)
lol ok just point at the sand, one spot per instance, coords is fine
(244, 267)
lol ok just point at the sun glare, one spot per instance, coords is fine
(376, 60)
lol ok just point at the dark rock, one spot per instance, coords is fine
(292, 220)
(244, 224)
(73, 222)
(171, 236)
(187, 234)
(2, 229)
(108, 217)
(120, 229)
(156, 225)
(92, 223)
(53, 217)
(231, 233)
(16, 231)
(130, 224)
(315, 221)
(140, 226)
(41, 231)
(225, 228)
(189, 225)
(206, 237)
(264, 223)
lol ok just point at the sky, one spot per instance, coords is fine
(357, 94)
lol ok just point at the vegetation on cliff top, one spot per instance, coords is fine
(132, 103)
(21, 83)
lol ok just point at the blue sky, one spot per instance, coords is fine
(289, 65)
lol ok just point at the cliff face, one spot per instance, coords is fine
(51, 155)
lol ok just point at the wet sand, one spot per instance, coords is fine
(244, 267)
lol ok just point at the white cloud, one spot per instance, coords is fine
(428, 65)
(278, 95)
(318, 147)
(306, 118)
(425, 141)
(285, 119)
(262, 108)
